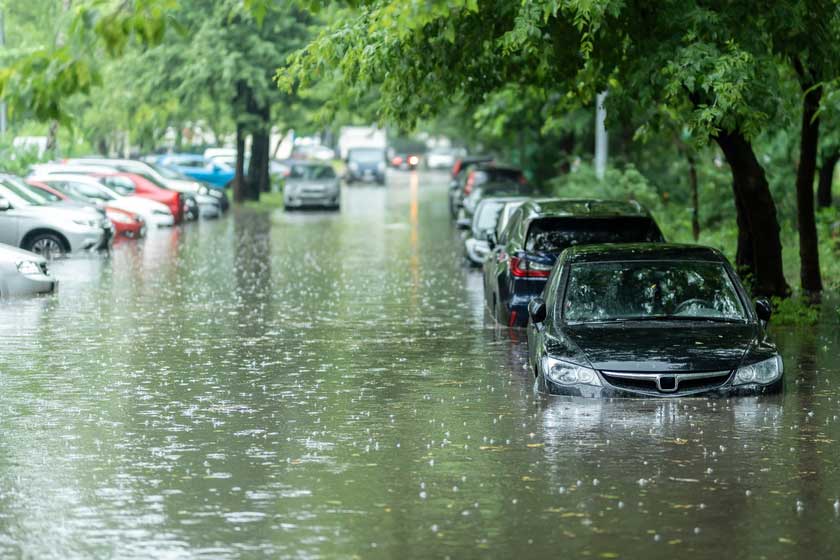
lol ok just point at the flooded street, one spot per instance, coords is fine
(325, 385)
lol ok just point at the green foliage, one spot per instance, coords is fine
(794, 312)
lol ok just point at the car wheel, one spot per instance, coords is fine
(48, 245)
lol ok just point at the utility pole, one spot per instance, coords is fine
(2, 46)
(600, 135)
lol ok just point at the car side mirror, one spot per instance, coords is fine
(463, 223)
(763, 310)
(491, 240)
(536, 310)
(4, 205)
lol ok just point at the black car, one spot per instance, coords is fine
(522, 258)
(649, 320)
(366, 164)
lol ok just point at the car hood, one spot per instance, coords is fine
(9, 253)
(139, 204)
(666, 346)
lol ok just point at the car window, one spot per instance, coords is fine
(552, 235)
(487, 215)
(88, 191)
(19, 194)
(122, 185)
(47, 195)
(311, 172)
(645, 290)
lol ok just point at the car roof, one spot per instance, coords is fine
(501, 199)
(583, 208)
(642, 252)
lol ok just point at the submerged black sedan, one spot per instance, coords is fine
(649, 320)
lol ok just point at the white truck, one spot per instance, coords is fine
(361, 137)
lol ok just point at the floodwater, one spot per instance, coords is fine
(318, 385)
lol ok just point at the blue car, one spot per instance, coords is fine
(214, 173)
(523, 256)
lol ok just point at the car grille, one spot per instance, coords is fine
(666, 384)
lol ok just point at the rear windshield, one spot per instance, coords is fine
(311, 172)
(552, 235)
(498, 175)
(366, 156)
(488, 214)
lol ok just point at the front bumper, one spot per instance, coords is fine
(88, 239)
(606, 391)
(366, 176)
(29, 284)
(321, 201)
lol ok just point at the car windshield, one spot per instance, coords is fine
(89, 191)
(311, 172)
(552, 235)
(487, 214)
(19, 194)
(366, 156)
(650, 290)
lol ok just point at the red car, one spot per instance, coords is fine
(132, 184)
(126, 224)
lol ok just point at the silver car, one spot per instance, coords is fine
(29, 222)
(311, 184)
(488, 213)
(23, 273)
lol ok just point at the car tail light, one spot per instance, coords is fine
(522, 268)
(396, 161)
(468, 186)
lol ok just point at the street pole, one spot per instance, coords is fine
(2, 103)
(600, 135)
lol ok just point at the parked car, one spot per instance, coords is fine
(23, 273)
(475, 176)
(29, 222)
(462, 163)
(650, 320)
(213, 173)
(366, 164)
(218, 195)
(538, 231)
(118, 191)
(195, 197)
(495, 189)
(483, 224)
(126, 224)
(312, 184)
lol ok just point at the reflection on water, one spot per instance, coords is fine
(317, 384)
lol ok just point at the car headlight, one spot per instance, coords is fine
(203, 190)
(29, 267)
(159, 212)
(763, 372)
(86, 223)
(381, 166)
(353, 166)
(565, 373)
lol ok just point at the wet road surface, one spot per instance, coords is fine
(325, 385)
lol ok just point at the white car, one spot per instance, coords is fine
(23, 273)
(441, 158)
(90, 188)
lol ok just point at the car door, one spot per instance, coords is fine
(496, 264)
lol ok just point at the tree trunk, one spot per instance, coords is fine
(809, 253)
(826, 179)
(695, 199)
(239, 177)
(759, 246)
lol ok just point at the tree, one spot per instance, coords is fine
(685, 56)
